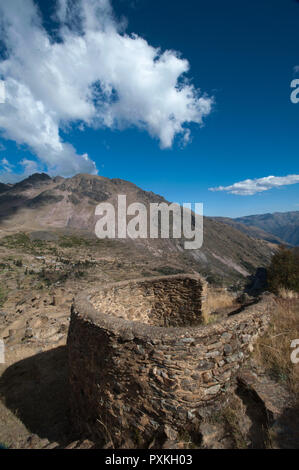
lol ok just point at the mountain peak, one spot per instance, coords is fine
(38, 177)
(33, 180)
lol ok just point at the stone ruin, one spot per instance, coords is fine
(140, 357)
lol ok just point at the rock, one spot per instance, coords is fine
(186, 340)
(207, 377)
(52, 445)
(190, 415)
(226, 335)
(227, 349)
(28, 333)
(170, 433)
(213, 354)
(214, 346)
(211, 434)
(212, 390)
(274, 397)
(245, 338)
(175, 445)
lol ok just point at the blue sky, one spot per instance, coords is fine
(242, 54)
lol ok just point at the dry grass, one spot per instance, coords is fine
(233, 416)
(219, 299)
(287, 294)
(231, 421)
(273, 351)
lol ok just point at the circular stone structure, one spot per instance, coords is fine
(140, 356)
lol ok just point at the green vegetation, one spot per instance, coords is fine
(21, 240)
(38, 247)
(168, 270)
(73, 241)
(284, 270)
(49, 277)
(16, 240)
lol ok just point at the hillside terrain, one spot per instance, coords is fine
(284, 225)
(38, 280)
(65, 206)
(251, 230)
(48, 253)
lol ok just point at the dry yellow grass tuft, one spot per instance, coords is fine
(287, 294)
(218, 299)
(273, 351)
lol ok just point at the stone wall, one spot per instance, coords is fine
(140, 358)
(170, 301)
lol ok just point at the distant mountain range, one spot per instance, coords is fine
(284, 225)
(231, 250)
(279, 227)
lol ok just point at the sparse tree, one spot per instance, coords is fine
(284, 270)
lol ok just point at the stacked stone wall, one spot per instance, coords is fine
(140, 358)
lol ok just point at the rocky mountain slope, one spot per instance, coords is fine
(284, 225)
(251, 230)
(41, 203)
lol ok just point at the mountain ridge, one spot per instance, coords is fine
(42, 203)
(251, 230)
(284, 225)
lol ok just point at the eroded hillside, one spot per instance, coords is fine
(41, 203)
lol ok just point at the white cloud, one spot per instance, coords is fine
(8, 174)
(252, 186)
(296, 69)
(95, 76)
(29, 166)
(7, 167)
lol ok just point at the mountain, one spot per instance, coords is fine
(284, 225)
(251, 230)
(40, 203)
(4, 187)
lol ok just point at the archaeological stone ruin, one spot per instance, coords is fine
(140, 356)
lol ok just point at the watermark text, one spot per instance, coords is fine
(156, 220)
(295, 92)
(295, 353)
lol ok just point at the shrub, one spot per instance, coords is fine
(22, 240)
(168, 270)
(284, 271)
(17, 240)
(73, 242)
(18, 263)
